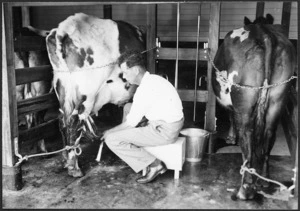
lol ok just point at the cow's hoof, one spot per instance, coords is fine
(246, 192)
(262, 183)
(75, 172)
(230, 140)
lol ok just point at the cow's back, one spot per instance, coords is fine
(242, 55)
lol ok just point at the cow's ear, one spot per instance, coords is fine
(246, 21)
(51, 48)
(270, 19)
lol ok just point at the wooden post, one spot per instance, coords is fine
(297, 178)
(177, 46)
(260, 7)
(25, 16)
(151, 37)
(296, 161)
(107, 11)
(213, 41)
(12, 176)
(286, 16)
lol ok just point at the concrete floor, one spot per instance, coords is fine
(111, 184)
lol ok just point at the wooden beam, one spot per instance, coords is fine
(213, 41)
(286, 16)
(11, 175)
(25, 16)
(30, 43)
(260, 8)
(44, 130)
(11, 78)
(57, 4)
(7, 147)
(297, 175)
(188, 95)
(151, 37)
(183, 54)
(31, 74)
(37, 104)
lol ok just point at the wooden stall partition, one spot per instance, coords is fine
(260, 7)
(213, 41)
(25, 16)
(13, 137)
(187, 54)
(151, 37)
(12, 175)
(205, 96)
(286, 16)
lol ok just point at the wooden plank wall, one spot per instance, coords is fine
(232, 16)
(134, 13)
(294, 21)
(166, 22)
(49, 17)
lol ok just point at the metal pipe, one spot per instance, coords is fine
(196, 69)
(177, 46)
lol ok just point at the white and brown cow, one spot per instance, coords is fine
(84, 51)
(32, 58)
(254, 56)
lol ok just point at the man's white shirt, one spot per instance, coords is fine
(156, 99)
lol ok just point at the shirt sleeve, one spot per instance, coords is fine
(138, 110)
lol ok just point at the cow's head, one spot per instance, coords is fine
(260, 20)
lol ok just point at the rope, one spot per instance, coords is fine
(224, 79)
(253, 171)
(26, 157)
(99, 67)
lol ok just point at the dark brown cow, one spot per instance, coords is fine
(84, 51)
(256, 55)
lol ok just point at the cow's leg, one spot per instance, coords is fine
(245, 135)
(39, 119)
(231, 138)
(72, 164)
(272, 119)
(69, 134)
(86, 107)
(63, 131)
(244, 102)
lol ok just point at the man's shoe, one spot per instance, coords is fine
(153, 172)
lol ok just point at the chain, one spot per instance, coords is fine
(99, 67)
(245, 86)
(26, 157)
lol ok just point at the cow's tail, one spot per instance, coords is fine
(264, 93)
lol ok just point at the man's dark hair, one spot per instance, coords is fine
(132, 58)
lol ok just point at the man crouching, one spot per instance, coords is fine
(155, 99)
